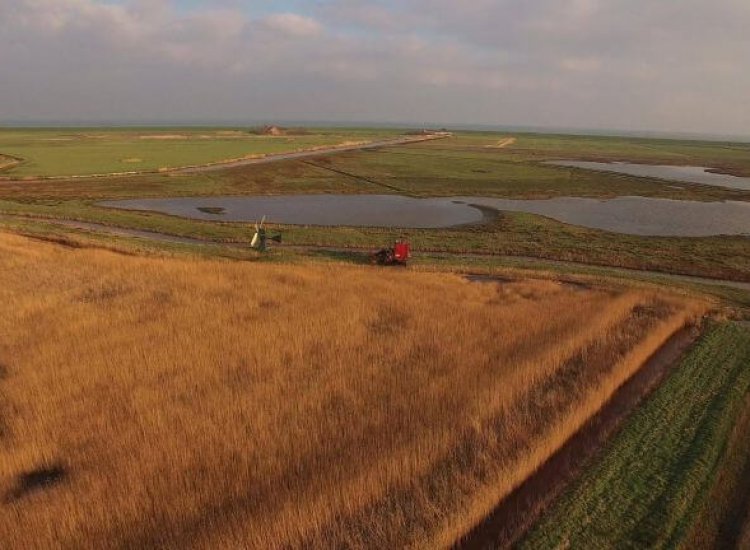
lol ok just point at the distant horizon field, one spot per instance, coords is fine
(101, 150)
(396, 125)
(83, 150)
(55, 152)
(71, 151)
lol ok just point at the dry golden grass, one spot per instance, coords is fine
(207, 404)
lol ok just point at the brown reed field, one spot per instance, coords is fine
(172, 402)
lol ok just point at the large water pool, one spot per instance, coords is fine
(631, 215)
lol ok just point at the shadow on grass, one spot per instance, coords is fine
(348, 256)
(35, 480)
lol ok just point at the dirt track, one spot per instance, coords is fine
(502, 144)
(519, 511)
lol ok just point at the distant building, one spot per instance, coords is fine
(270, 130)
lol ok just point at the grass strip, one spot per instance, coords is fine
(656, 475)
(720, 522)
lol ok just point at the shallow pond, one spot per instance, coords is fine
(631, 215)
(690, 174)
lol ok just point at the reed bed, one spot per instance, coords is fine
(192, 403)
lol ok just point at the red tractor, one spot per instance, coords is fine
(398, 254)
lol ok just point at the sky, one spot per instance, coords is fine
(657, 65)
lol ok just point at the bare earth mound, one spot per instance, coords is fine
(154, 401)
(7, 162)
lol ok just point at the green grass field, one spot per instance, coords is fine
(656, 480)
(732, 157)
(453, 167)
(85, 151)
(466, 164)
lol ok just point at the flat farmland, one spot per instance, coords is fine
(260, 405)
(87, 151)
(469, 163)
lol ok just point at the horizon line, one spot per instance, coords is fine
(456, 126)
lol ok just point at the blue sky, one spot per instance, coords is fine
(614, 64)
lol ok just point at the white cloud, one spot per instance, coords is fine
(618, 63)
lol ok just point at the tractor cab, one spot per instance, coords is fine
(401, 251)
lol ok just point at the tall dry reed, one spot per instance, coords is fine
(216, 404)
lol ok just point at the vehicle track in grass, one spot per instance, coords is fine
(370, 181)
(512, 517)
(502, 144)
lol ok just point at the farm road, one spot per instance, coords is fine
(502, 144)
(305, 154)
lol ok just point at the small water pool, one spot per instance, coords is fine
(690, 174)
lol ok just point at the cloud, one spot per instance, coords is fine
(584, 63)
(292, 24)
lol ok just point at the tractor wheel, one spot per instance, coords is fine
(380, 257)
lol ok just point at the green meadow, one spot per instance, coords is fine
(87, 151)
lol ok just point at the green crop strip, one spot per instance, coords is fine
(655, 476)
